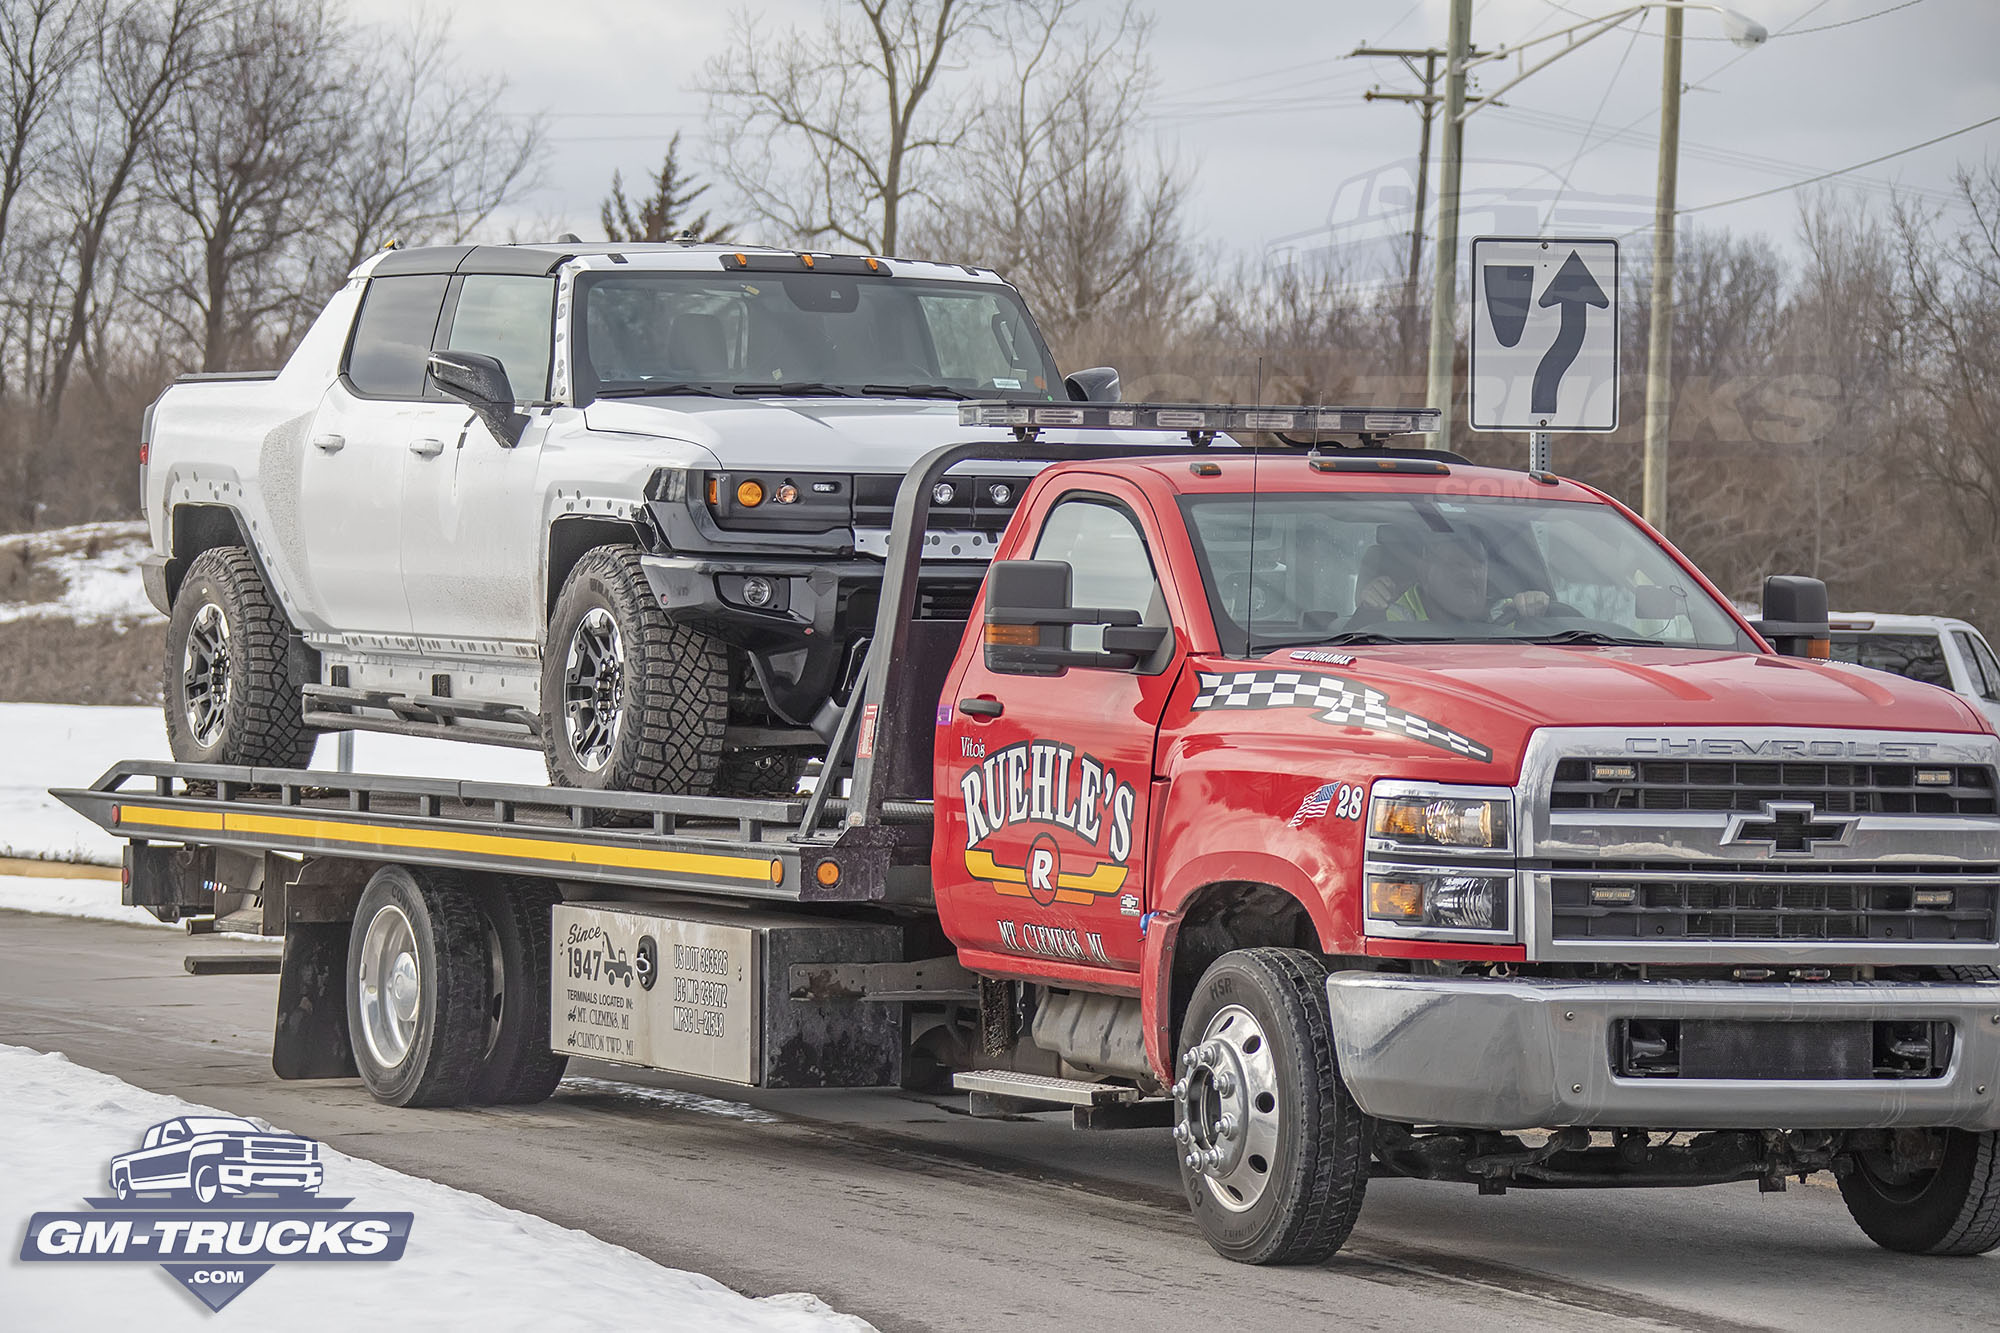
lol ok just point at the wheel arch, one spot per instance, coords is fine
(570, 537)
(1235, 907)
(195, 528)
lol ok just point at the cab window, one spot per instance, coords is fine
(511, 319)
(1107, 556)
(392, 335)
(1979, 659)
(1918, 656)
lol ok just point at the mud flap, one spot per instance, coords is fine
(311, 1037)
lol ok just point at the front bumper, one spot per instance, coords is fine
(269, 1175)
(1529, 1054)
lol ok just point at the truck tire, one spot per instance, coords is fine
(1274, 1152)
(235, 669)
(417, 987)
(771, 773)
(518, 1067)
(1952, 1210)
(631, 701)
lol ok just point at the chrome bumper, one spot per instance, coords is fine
(1524, 1054)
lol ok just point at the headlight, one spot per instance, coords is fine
(1440, 899)
(765, 501)
(1408, 816)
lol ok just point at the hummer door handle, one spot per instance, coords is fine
(331, 444)
(427, 448)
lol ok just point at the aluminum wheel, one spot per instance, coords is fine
(1226, 1109)
(594, 689)
(205, 675)
(391, 986)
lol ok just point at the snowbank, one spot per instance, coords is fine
(88, 573)
(470, 1264)
(61, 745)
(91, 899)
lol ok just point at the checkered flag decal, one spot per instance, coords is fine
(1342, 701)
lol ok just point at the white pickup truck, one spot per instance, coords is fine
(627, 503)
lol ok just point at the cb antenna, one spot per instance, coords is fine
(1250, 582)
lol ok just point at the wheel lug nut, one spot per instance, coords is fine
(1225, 1084)
(1180, 1088)
(1181, 1135)
(1193, 1161)
(1226, 1126)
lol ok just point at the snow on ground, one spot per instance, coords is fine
(88, 573)
(62, 745)
(92, 899)
(470, 1263)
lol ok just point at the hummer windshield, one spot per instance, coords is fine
(806, 335)
(1296, 570)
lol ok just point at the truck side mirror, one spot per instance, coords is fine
(1029, 619)
(1099, 384)
(480, 382)
(1795, 616)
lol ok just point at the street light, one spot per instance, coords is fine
(1739, 28)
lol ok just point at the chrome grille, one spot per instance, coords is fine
(1642, 903)
(1743, 786)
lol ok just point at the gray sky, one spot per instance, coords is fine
(1257, 97)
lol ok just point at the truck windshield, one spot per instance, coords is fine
(1919, 656)
(1320, 568)
(806, 334)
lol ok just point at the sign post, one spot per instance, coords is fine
(1544, 348)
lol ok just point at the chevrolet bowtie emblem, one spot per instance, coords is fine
(1790, 828)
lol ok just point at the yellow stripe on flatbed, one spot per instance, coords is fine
(748, 867)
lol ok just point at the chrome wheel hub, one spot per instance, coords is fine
(391, 986)
(594, 689)
(1226, 1109)
(205, 675)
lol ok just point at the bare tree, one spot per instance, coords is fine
(235, 169)
(42, 45)
(834, 134)
(433, 155)
(1052, 185)
(663, 214)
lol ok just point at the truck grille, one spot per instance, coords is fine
(1739, 786)
(279, 1150)
(1644, 902)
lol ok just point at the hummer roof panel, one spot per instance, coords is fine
(690, 256)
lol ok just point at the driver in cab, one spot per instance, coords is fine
(1449, 585)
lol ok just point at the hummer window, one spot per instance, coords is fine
(1294, 570)
(806, 334)
(1981, 657)
(508, 318)
(1918, 656)
(392, 335)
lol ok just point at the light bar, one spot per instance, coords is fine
(1207, 418)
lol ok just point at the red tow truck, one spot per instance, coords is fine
(1353, 811)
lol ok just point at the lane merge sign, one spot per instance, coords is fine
(1544, 353)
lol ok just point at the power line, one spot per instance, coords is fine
(1829, 175)
(1793, 31)
(1584, 140)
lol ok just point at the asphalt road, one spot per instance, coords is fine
(902, 1210)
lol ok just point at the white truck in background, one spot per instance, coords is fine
(624, 503)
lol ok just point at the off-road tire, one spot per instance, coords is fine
(449, 1042)
(675, 685)
(263, 715)
(1319, 1175)
(761, 772)
(518, 1067)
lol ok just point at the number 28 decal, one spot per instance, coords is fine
(1343, 800)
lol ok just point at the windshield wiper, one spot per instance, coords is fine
(803, 389)
(661, 391)
(1342, 640)
(1586, 636)
(913, 391)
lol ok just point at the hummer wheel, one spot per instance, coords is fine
(1274, 1154)
(235, 669)
(631, 701)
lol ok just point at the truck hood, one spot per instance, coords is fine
(1495, 696)
(821, 434)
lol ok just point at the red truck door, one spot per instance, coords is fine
(1042, 854)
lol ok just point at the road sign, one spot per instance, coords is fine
(1544, 334)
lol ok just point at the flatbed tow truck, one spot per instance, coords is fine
(1352, 811)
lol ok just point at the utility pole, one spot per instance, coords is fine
(1444, 292)
(1426, 103)
(1660, 339)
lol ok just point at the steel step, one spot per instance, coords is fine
(1041, 1089)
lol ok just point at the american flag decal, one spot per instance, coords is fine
(1314, 806)
(1343, 702)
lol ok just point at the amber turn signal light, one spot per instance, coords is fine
(827, 873)
(1395, 900)
(1014, 636)
(749, 494)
